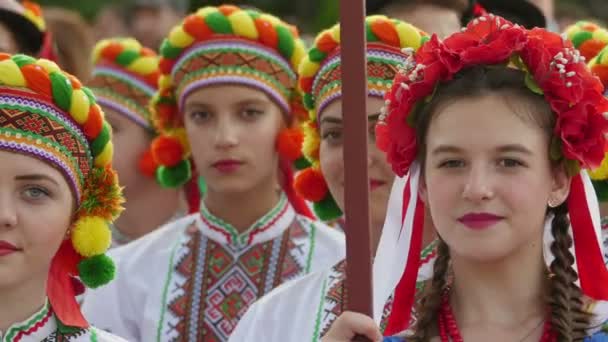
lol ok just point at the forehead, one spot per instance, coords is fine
(483, 122)
(223, 95)
(15, 164)
(334, 109)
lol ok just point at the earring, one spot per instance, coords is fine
(551, 203)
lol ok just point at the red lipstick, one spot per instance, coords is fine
(375, 183)
(227, 165)
(480, 221)
(7, 248)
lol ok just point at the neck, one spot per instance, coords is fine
(148, 211)
(21, 301)
(242, 209)
(495, 292)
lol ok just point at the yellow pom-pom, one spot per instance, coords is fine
(164, 82)
(310, 146)
(572, 30)
(299, 52)
(144, 65)
(376, 17)
(131, 44)
(49, 66)
(182, 136)
(601, 35)
(271, 19)
(335, 33)
(10, 74)
(179, 38)
(308, 68)
(243, 25)
(105, 157)
(601, 173)
(409, 36)
(79, 107)
(205, 11)
(97, 50)
(91, 236)
(604, 55)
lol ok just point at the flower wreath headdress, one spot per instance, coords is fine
(555, 70)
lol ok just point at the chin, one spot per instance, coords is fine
(483, 249)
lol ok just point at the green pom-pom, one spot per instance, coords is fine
(601, 190)
(316, 55)
(102, 139)
(580, 37)
(127, 57)
(327, 209)
(23, 60)
(96, 271)
(90, 95)
(302, 163)
(286, 43)
(424, 39)
(169, 51)
(174, 177)
(202, 185)
(218, 23)
(62, 90)
(371, 36)
(309, 101)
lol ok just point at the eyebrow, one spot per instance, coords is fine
(370, 118)
(36, 177)
(501, 149)
(258, 101)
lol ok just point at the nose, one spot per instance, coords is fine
(226, 134)
(478, 186)
(8, 211)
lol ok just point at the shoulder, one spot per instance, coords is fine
(321, 232)
(157, 244)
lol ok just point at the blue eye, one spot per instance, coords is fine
(451, 164)
(508, 162)
(199, 115)
(36, 193)
(251, 113)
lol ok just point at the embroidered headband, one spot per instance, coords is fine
(47, 114)
(555, 70)
(320, 80)
(219, 45)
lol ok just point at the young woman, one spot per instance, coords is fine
(125, 78)
(323, 182)
(494, 128)
(224, 100)
(58, 192)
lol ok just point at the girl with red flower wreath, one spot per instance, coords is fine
(492, 130)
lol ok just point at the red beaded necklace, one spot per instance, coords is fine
(448, 328)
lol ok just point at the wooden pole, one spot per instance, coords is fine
(356, 189)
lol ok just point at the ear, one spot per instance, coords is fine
(422, 190)
(560, 187)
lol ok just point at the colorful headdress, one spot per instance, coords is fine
(224, 45)
(591, 40)
(46, 113)
(125, 78)
(320, 81)
(555, 69)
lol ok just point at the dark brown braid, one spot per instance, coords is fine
(568, 318)
(428, 306)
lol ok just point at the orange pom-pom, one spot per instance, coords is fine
(147, 164)
(147, 52)
(591, 48)
(4, 56)
(94, 124)
(197, 28)
(166, 65)
(289, 144)
(37, 79)
(311, 185)
(228, 9)
(267, 32)
(601, 71)
(326, 43)
(385, 30)
(167, 151)
(75, 82)
(112, 51)
(152, 79)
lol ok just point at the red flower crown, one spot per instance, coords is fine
(554, 68)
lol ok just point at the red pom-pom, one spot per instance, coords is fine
(165, 65)
(382, 138)
(289, 144)
(306, 84)
(196, 26)
(94, 124)
(167, 151)
(311, 185)
(165, 113)
(147, 164)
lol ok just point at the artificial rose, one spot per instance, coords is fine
(402, 155)
(581, 130)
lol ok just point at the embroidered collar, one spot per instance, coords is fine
(269, 226)
(35, 328)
